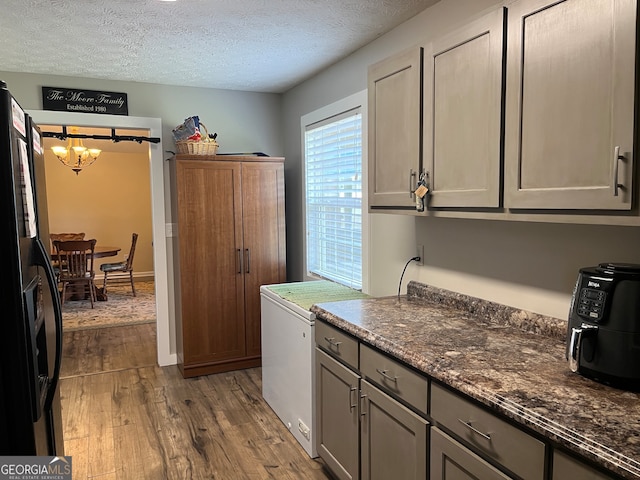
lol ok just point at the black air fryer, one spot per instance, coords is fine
(603, 337)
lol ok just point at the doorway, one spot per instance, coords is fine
(156, 170)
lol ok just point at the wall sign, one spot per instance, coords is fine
(84, 101)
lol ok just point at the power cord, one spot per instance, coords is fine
(414, 259)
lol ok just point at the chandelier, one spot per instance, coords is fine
(75, 155)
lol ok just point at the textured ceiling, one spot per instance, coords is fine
(254, 45)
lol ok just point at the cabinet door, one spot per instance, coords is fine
(393, 439)
(263, 238)
(452, 461)
(337, 416)
(394, 129)
(570, 104)
(210, 237)
(463, 114)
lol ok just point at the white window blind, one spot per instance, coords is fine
(333, 177)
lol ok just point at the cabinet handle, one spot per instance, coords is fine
(386, 376)
(486, 436)
(616, 164)
(248, 258)
(239, 260)
(352, 405)
(412, 182)
(332, 342)
(362, 404)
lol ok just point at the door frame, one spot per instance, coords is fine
(154, 125)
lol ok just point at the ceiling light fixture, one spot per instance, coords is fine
(75, 155)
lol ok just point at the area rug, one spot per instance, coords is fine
(122, 308)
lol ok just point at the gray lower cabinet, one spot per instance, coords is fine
(493, 438)
(363, 433)
(371, 424)
(393, 439)
(565, 467)
(452, 461)
(337, 417)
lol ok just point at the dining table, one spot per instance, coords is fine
(99, 251)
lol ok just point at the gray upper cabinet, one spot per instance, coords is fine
(463, 114)
(570, 104)
(394, 125)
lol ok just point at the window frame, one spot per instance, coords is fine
(357, 100)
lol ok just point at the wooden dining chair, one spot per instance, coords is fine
(78, 272)
(62, 237)
(125, 267)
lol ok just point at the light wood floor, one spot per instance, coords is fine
(126, 418)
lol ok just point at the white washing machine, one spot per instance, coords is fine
(288, 351)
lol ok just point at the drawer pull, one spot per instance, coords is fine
(352, 405)
(332, 342)
(486, 436)
(385, 375)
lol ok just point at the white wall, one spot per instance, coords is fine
(346, 78)
(526, 265)
(244, 121)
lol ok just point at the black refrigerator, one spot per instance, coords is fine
(31, 316)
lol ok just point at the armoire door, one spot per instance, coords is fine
(264, 239)
(210, 238)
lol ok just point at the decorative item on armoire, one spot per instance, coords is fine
(193, 138)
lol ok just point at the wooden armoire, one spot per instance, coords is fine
(231, 240)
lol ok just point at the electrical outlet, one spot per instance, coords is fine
(420, 253)
(304, 430)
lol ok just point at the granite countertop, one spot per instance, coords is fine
(510, 360)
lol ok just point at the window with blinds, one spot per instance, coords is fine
(333, 181)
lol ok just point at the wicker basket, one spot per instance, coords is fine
(206, 146)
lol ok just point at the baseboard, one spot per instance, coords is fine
(137, 276)
(143, 276)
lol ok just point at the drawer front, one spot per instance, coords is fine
(394, 377)
(337, 343)
(491, 436)
(567, 467)
(450, 459)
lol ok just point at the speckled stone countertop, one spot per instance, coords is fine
(510, 360)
